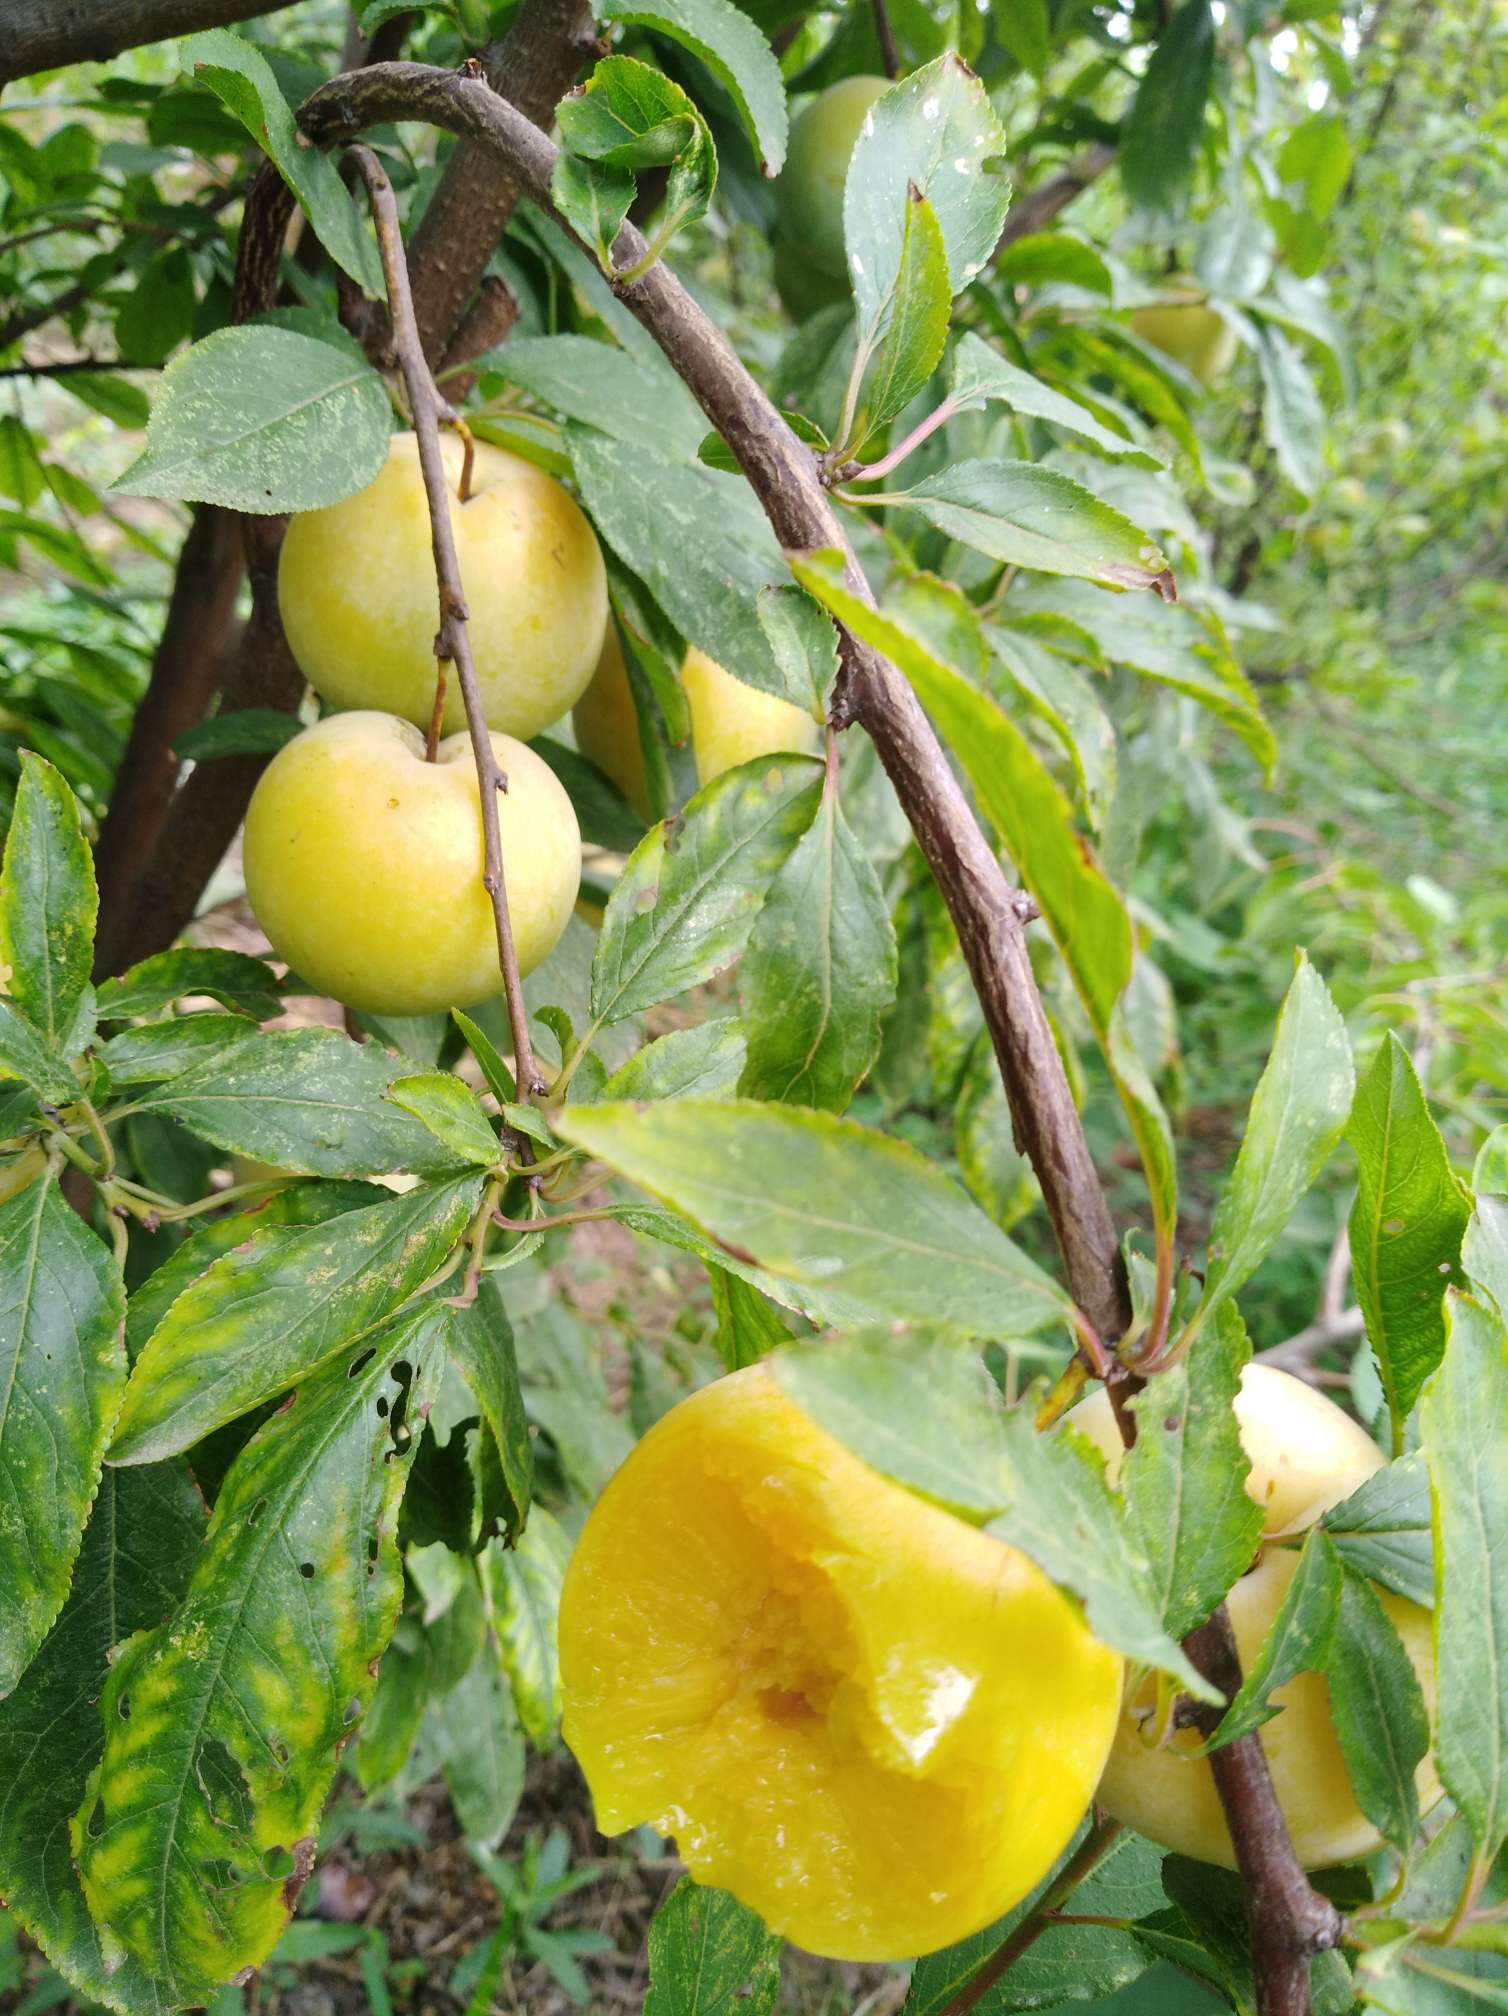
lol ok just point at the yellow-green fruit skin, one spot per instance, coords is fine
(732, 723)
(356, 588)
(1183, 328)
(20, 1170)
(873, 1724)
(364, 864)
(809, 188)
(1306, 1454)
(1171, 1798)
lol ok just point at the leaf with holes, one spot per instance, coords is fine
(223, 1726)
(263, 420)
(48, 904)
(143, 1534)
(276, 1307)
(62, 1371)
(684, 906)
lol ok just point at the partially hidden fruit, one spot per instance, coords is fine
(809, 188)
(731, 723)
(356, 589)
(873, 1724)
(1306, 1455)
(16, 1171)
(1188, 331)
(364, 864)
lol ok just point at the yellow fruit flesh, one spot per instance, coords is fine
(1306, 1453)
(356, 588)
(1171, 1797)
(871, 1723)
(732, 723)
(364, 864)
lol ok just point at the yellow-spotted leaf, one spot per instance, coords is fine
(224, 1724)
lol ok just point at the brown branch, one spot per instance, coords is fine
(534, 65)
(785, 477)
(890, 58)
(452, 640)
(48, 34)
(487, 323)
(1036, 208)
(186, 669)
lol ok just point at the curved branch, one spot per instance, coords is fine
(784, 475)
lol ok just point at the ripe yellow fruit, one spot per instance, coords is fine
(19, 1170)
(731, 723)
(809, 188)
(356, 588)
(1183, 328)
(1306, 1455)
(872, 1723)
(364, 864)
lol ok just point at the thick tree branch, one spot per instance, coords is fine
(533, 66)
(47, 34)
(784, 475)
(453, 640)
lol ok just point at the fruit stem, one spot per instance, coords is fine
(452, 641)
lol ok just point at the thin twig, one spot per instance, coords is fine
(1297, 1351)
(452, 642)
(889, 55)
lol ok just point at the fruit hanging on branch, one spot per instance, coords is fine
(356, 588)
(364, 863)
(811, 268)
(1306, 1455)
(1184, 327)
(870, 1722)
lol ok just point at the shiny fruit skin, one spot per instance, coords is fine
(364, 864)
(809, 188)
(1172, 1799)
(732, 723)
(1306, 1453)
(804, 288)
(872, 1723)
(1192, 334)
(356, 589)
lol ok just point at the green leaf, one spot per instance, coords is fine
(62, 1371)
(819, 972)
(247, 731)
(1162, 132)
(801, 636)
(522, 1585)
(232, 978)
(153, 1051)
(48, 902)
(918, 326)
(603, 387)
(28, 1055)
(450, 1112)
(748, 1323)
(924, 1411)
(1382, 1530)
(1028, 516)
(687, 900)
(109, 393)
(937, 132)
(1484, 1250)
(697, 540)
(480, 1340)
(482, 1751)
(1053, 258)
(1490, 1170)
(143, 1534)
(1378, 1711)
(1317, 156)
(1185, 1478)
(1406, 1227)
(307, 1100)
(1464, 1420)
(21, 474)
(223, 1726)
(1293, 414)
(1063, 696)
(862, 1223)
(978, 375)
(263, 420)
(1297, 1641)
(698, 1062)
(627, 117)
(275, 1308)
(733, 49)
(709, 1955)
(593, 198)
(1298, 1113)
(242, 79)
